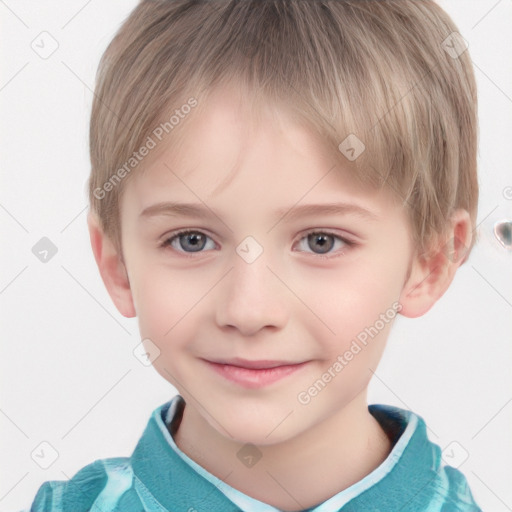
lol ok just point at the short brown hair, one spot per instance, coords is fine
(394, 73)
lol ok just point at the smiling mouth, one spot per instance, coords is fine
(254, 374)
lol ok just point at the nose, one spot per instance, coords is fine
(252, 297)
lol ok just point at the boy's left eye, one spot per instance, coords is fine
(196, 241)
(325, 241)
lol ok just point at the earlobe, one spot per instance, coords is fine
(431, 274)
(111, 267)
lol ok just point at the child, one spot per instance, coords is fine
(252, 130)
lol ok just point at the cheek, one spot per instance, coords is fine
(350, 300)
(167, 302)
(165, 305)
(360, 307)
(161, 304)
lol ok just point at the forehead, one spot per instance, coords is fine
(237, 154)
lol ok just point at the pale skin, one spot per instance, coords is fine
(288, 305)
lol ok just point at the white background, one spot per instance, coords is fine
(68, 374)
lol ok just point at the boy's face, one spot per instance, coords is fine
(213, 298)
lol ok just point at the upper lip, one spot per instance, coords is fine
(255, 365)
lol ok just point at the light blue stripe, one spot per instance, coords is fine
(438, 499)
(119, 480)
(151, 504)
(57, 495)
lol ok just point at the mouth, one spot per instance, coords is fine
(254, 374)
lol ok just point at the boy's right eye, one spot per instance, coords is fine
(187, 239)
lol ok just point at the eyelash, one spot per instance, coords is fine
(348, 243)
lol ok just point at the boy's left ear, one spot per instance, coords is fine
(432, 273)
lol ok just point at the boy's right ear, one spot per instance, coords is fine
(111, 267)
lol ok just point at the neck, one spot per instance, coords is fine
(302, 471)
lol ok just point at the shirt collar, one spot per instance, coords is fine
(174, 479)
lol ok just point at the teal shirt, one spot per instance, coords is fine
(159, 477)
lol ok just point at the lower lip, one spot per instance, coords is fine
(252, 378)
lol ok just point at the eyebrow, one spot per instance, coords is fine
(199, 211)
